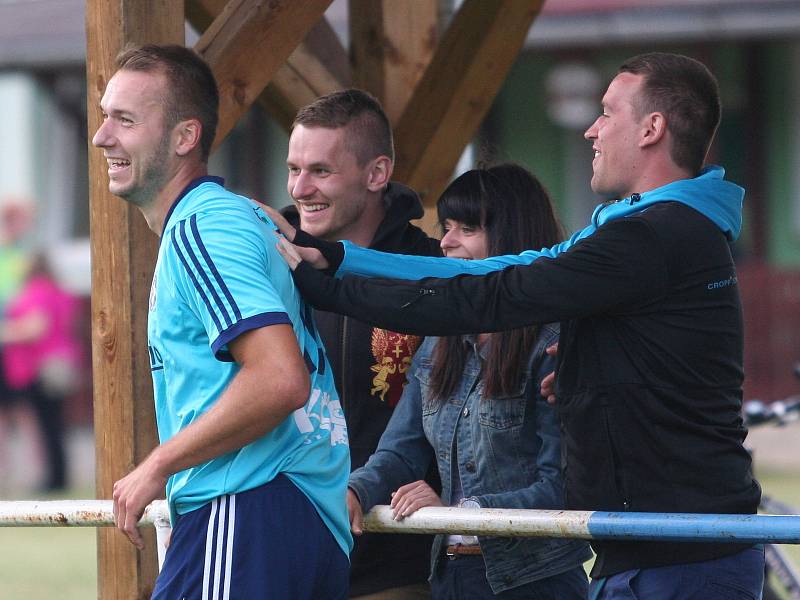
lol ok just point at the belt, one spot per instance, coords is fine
(453, 552)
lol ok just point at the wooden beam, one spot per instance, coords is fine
(391, 44)
(318, 66)
(201, 13)
(457, 89)
(247, 44)
(123, 257)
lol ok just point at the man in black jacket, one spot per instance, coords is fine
(650, 371)
(340, 163)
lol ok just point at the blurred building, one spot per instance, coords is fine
(551, 96)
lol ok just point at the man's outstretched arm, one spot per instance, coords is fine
(619, 264)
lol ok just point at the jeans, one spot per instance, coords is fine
(736, 577)
(465, 579)
(417, 591)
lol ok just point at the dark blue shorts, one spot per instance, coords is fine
(736, 577)
(266, 543)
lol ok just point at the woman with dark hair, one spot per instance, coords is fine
(472, 404)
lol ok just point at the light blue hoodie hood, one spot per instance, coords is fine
(708, 193)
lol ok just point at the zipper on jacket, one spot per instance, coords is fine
(421, 293)
(343, 372)
(615, 455)
(617, 465)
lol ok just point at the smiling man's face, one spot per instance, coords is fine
(132, 135)
(326, 183)
(615, 139)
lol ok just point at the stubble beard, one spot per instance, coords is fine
(153, 178)
(333, 229)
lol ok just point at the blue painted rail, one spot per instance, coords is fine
(783, 529)
(592, 525)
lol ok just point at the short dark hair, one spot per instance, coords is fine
(687, 93)
(515, 210)
(191, 90)
(370, 134)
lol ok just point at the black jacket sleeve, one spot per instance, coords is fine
(619, 267)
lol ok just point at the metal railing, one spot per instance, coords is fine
(587, 525)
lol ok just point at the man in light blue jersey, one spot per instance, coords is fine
(253, 450)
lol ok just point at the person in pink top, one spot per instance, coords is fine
(41, 357)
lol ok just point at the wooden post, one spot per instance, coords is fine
(123, 257)
(391, 44)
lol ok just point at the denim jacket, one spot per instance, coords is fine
(509, 456)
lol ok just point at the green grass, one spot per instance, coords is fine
(784, 486)
(44, 563)
(38, 563)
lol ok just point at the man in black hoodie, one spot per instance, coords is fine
(340, 162)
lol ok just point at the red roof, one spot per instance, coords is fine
(562, 7)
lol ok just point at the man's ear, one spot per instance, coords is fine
(655, 128)
(187, 134)
(379, 174)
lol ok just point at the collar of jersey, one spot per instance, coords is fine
(192, 185)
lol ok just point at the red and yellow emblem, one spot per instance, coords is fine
(393, 353)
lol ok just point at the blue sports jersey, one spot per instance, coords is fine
(218, 275)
